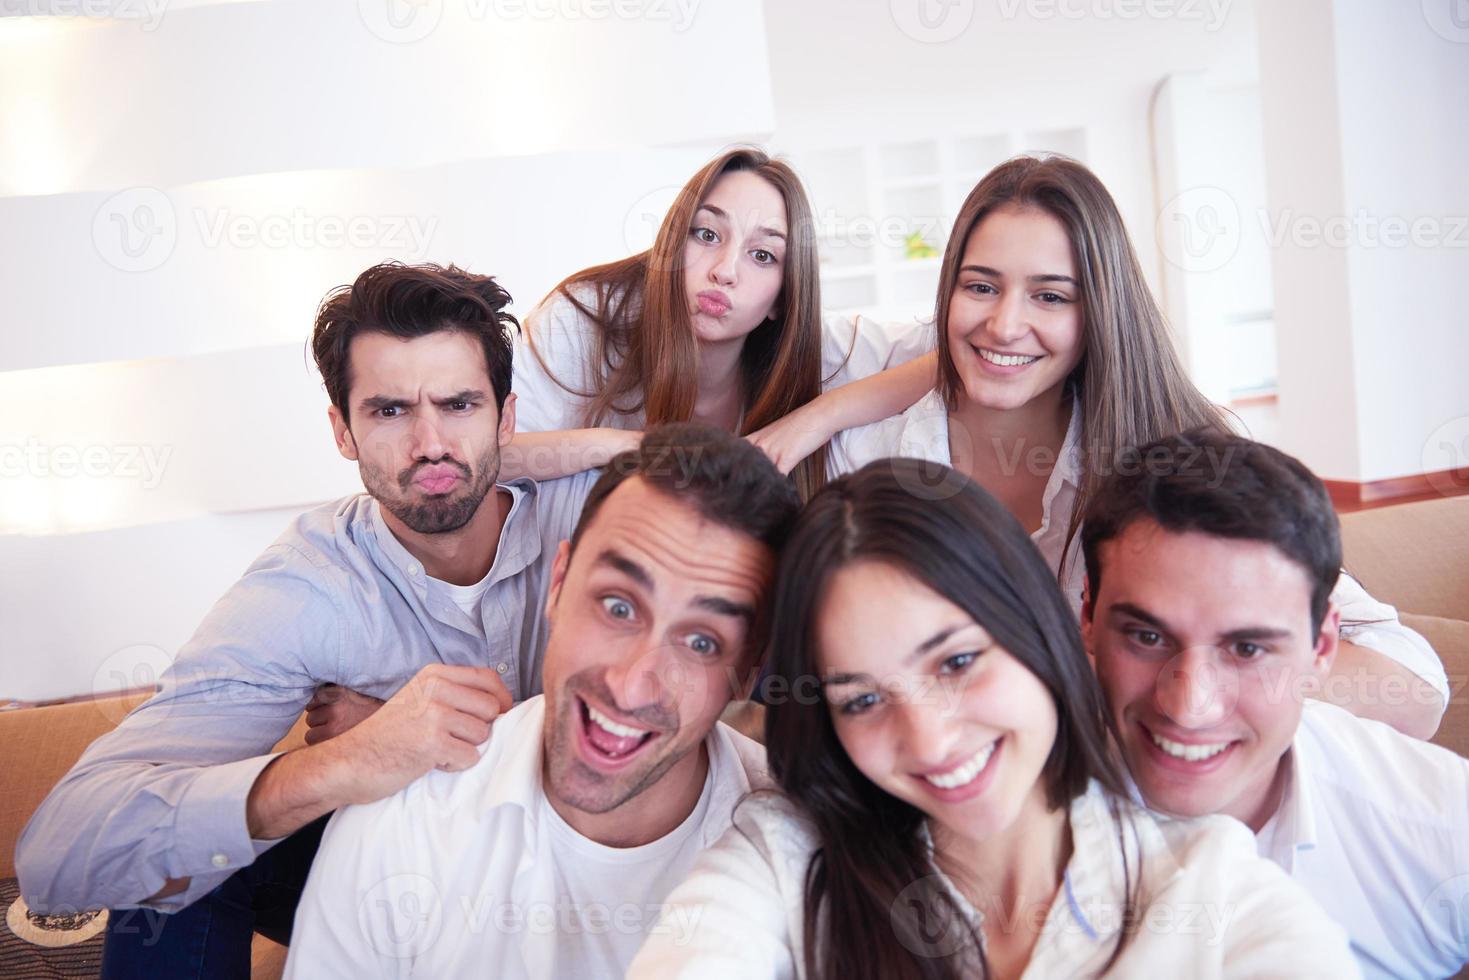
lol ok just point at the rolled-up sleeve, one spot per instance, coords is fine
(1375, 626)
(854, 347)
(163, 795)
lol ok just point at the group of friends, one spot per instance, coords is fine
(1049, 672)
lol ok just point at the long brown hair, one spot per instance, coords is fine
(646, 353)
(1132, 386)
(873, 898)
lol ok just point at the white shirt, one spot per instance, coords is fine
(922, 432)
(1375, 825)
(1210, 907)
(475, 874)
(566, 340)
(467, 597)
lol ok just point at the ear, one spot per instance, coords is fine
(507, 421)
(346, 443)
(1088, 610)
(558, 575)
(1328, 641)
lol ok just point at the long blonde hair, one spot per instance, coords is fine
(646, 354)
(1131, 385)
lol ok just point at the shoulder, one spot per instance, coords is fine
(921, 430)
(739, 751)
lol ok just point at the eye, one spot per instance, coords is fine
(703, 644)
(763, 256)
(979, 288)
(958, 663)
(460, 406)
(617, 607)
(858, 704)
(1248, 651)
(705, 235)
(1052, 299)
(1145, 638)
(389, 411)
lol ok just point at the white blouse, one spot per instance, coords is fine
(922, 432)
(1209, 906)
(566, 341)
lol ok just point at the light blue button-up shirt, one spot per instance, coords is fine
(336, 600)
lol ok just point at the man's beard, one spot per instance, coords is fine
(434, 515)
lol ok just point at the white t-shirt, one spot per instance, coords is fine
(475, 874)
(1209, 906)
(566, 340)
(466, 597)
(922, 432)
(1375, 825)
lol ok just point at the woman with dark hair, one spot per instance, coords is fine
(719, 322)
(1054, 359)
(948, 805)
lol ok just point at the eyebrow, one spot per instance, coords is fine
(719, 213)
(985, 270)
(718, 605)
(377, 402)
(926, 647)
(1244, 633)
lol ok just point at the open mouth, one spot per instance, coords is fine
(1187, 754)
(609, 740)
(1007, 360)
(967, 772)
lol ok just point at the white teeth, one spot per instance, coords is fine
(966, 773)
(1006, 360)
(608, 725)
(1189, 753)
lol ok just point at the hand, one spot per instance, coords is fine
(435, 722)
(334, 709)
(789, 440)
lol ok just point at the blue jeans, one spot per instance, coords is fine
(211, 938)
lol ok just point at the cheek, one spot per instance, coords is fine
(864, 745)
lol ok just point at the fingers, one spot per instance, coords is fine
(326, 694)
(481, 679)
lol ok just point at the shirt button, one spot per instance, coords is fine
(502, 667)
(220, 861)
(415, 570)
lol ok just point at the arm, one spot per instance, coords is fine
(727, 920)
(1383, 669)
(789, 440)
(552, 455)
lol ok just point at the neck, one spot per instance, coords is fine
(648, 816)
(1008, 434)
(461, 557)
(720, 396)
(1255, 810)
(1012, 877)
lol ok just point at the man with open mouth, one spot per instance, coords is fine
(551, 855)
(1209, 617)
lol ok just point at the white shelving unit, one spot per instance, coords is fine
(869, 198)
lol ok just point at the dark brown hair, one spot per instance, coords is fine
(725, 478)
(967, 547)
(410, 301)
(1132, 387)
(646, 351)
(1225, 486)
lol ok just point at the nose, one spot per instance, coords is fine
(725, 270)
(646, 676)
(1195, 689)
(926, 732)
(1007, 325)
(428, 437)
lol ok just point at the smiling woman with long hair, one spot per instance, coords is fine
(948, 805)
(719, 322)
(1054, 359)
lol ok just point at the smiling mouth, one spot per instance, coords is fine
(1007, 360)
(609, 738)
(1187, 751)
(966, 773)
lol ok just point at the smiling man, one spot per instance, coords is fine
(424, 592)
(552, 854)
(1210, 621)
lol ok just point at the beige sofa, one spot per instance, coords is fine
(1415, 556)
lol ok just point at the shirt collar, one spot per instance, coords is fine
(925, 435)
(519, 544)
(1294, 819)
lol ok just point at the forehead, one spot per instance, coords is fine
(1194, 577)
(1027, 240)
(684, 553)
(873, 615)
(436, 363)
(748, 199)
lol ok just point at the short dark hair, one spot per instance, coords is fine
(1226, 486)
(728, 480)
(410, 301)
